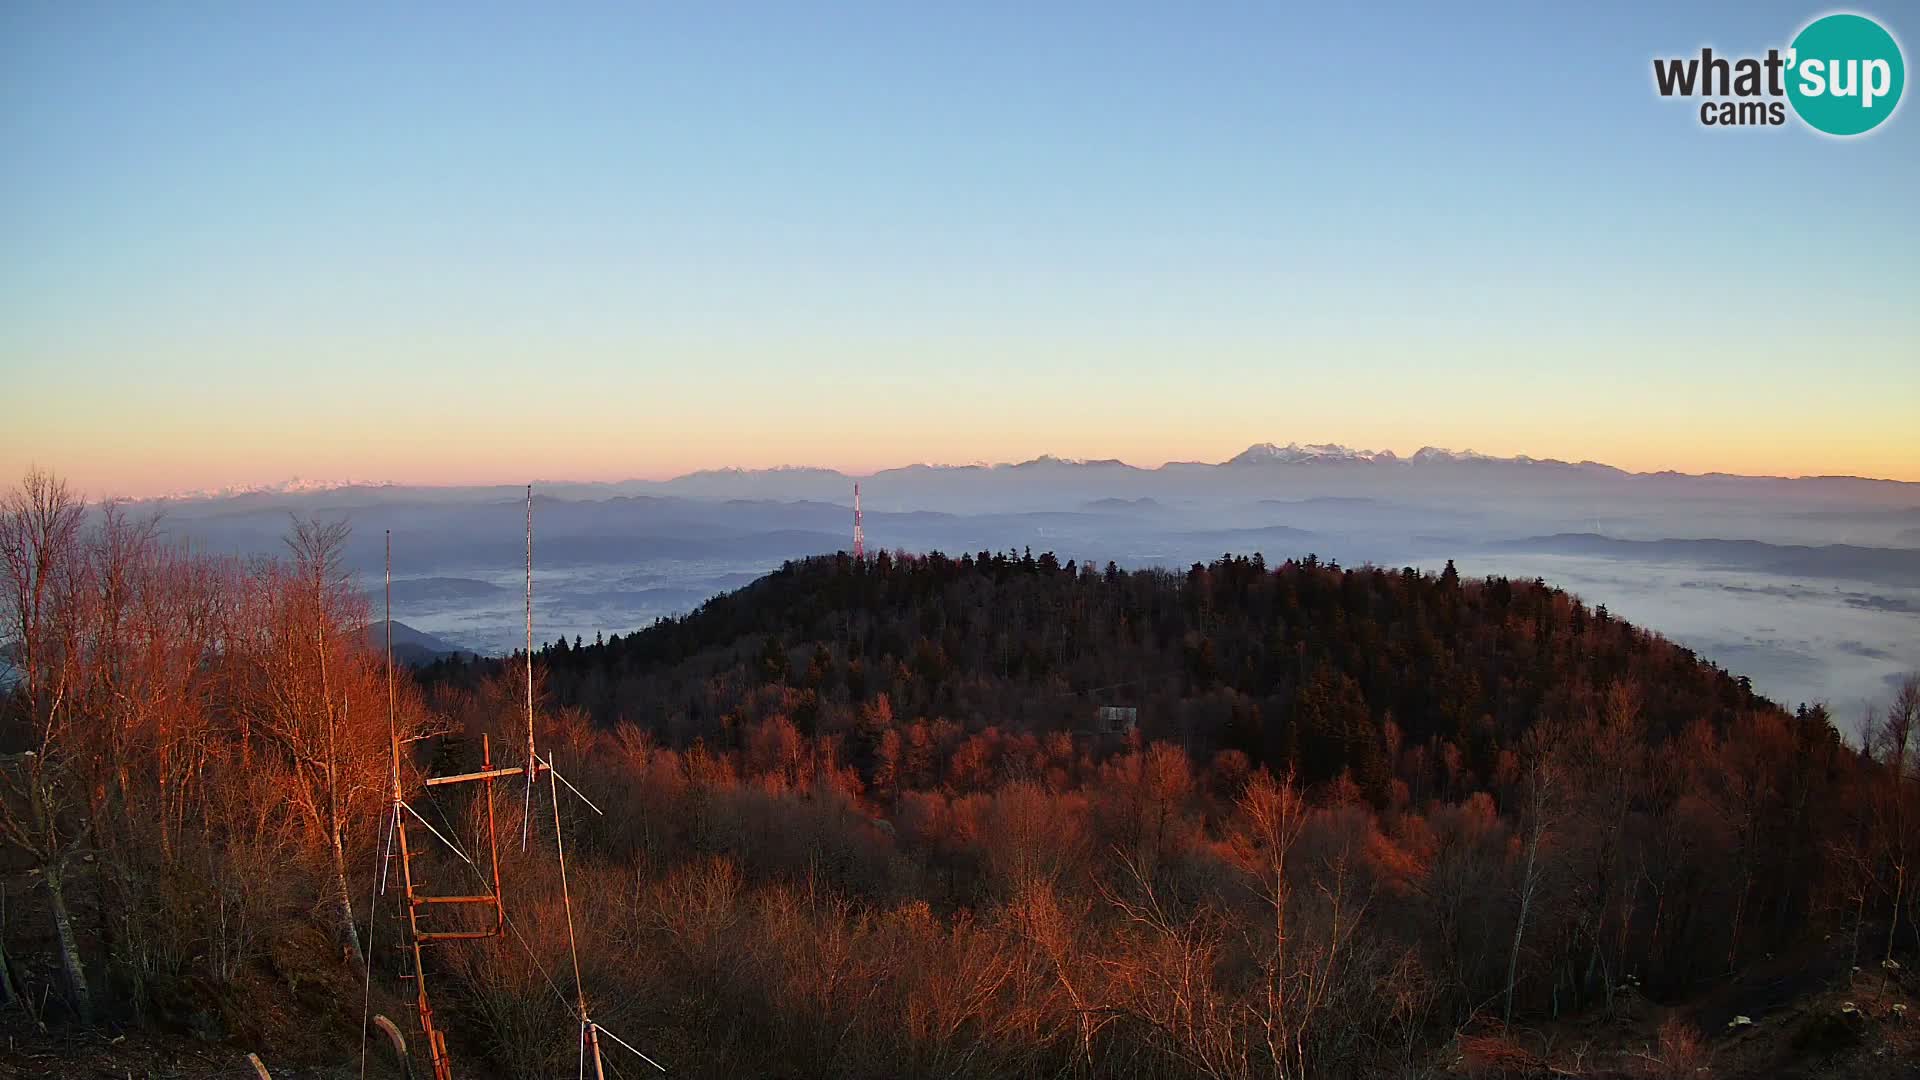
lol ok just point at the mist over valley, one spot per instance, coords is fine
(1810, 587)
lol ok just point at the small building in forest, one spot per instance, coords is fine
(1117, 720)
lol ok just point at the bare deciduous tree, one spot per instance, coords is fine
(42, 798)
(1893, 804)
(312, 693)
(1539, 816)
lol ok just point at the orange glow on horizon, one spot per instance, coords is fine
(171, 469)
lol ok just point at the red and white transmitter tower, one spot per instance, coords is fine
(859, 534)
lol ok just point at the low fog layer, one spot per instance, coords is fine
(1810, 587)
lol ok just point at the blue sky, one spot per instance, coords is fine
(469, 242)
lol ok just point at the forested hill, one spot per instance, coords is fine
(1538, 812)
(1304, 664)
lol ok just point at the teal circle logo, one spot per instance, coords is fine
(1845, 74)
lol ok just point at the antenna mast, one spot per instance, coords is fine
(436, 1042)
(526, 815)
(590, 1031)
(859, 534)
(418, 903)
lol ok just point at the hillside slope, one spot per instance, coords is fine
(1302, 664)
(881, 818)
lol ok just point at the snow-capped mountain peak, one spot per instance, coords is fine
(295, 486)
(1441, 453)
(1294, 453)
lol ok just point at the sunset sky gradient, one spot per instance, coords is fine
(457, 245)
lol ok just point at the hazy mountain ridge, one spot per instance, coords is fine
(1898, 566)
(413, 647)
(792, 480)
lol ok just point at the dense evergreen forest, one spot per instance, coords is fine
(1300, 666)
(877, 818)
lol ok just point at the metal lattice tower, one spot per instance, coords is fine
(420, 906)
(859, 534)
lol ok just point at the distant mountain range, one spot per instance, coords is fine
(1314, 453)
(1891, 566)
(295, 486)
(1265, 453)
(805, 481)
